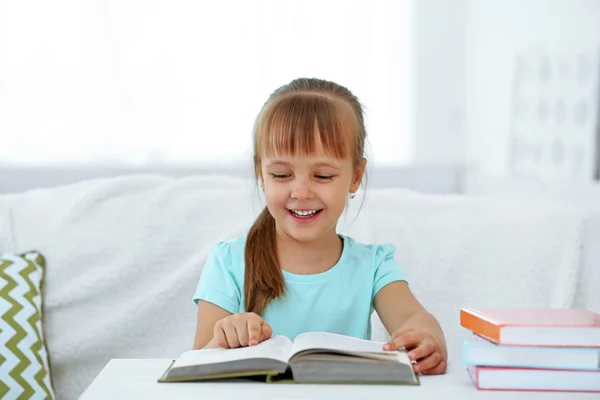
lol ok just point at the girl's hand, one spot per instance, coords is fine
(423, 347)
(241, 330)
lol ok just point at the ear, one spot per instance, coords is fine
(357, 178)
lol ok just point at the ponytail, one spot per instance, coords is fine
(286, 124)
(263, 280)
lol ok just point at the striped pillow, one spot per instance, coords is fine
(24, 370)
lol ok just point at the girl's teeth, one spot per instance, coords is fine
(304, 213)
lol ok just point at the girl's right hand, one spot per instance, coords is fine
(241, 330)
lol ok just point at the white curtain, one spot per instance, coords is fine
(167, 82)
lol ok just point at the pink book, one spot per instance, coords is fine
(531, 379)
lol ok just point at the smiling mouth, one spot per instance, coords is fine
(305, 213)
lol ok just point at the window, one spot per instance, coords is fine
(171, 82)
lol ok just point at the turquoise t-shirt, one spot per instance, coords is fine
(339, 300)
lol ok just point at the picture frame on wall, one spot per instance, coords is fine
(555, 114)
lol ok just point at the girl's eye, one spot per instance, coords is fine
(324, 177)
(280, 176)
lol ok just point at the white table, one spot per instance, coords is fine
(136, 379)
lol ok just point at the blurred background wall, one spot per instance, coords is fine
(482, 97)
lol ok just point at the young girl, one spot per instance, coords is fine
(292, 272)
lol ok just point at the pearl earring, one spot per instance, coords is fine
(352, 195)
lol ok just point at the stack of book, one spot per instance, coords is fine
(537, 349)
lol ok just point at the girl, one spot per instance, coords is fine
(292, 272)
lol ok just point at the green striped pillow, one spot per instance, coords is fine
(24, 370)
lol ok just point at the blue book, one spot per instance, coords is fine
(478, 351)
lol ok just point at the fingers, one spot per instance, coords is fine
(219, 336)
(407, 339)
(266, 331)
(241, 328)
(423, 350)
(231, 335)
(438, 369)
(254, 332)
(428, 363)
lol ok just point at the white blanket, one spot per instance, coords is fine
(124, 257)
(6, 232)
(476, 252)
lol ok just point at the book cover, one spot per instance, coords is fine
(569, 327)
(479, 351)
(532, 379)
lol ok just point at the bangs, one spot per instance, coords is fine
(307, 124)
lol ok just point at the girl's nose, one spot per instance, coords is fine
(301, 190)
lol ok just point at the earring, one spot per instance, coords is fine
(352, 195)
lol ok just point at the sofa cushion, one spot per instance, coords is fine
(124, 258)
(24, 370)
(6, 231)
(460, 251)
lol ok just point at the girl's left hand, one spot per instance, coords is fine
(422, 347)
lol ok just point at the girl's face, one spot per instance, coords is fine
(307, 194)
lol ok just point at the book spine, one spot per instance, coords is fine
(470, 357)
(475, 373)
(480, 326)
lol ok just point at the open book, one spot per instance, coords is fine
(314, 357)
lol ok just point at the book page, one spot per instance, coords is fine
(332, 341)
(276, 348)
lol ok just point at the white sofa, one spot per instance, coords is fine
(124, 256)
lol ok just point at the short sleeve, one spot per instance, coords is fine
(387, 269)
(217, 283)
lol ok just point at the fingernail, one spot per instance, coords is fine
(252, 342)
(411, 356)
(386, 346)
(417, 368)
